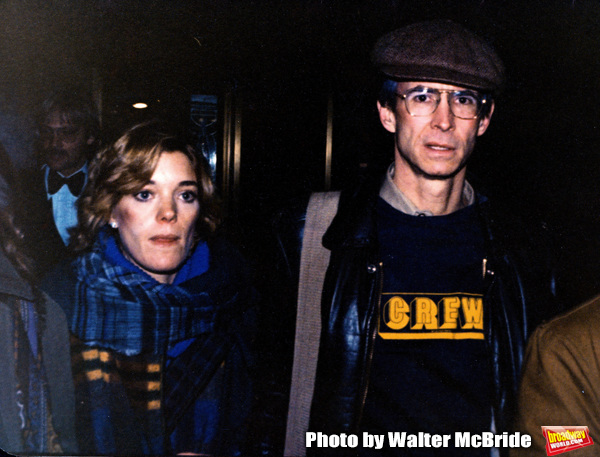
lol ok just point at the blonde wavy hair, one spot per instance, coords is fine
(125, 167)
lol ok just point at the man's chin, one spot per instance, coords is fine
(438, 175)
(57, 163)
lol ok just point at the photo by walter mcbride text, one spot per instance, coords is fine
(420, 440)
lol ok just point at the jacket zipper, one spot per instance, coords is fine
(371, 346)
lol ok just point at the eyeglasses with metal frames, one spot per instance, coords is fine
(423, 101)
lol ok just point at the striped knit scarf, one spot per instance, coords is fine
(118, 401)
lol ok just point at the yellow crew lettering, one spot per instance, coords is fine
(452, 316)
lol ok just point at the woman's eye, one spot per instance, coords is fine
(189, 196)
(143, 195)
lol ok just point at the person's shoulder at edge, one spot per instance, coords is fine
(560, 372)
(578, 327)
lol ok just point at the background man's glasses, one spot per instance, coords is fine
(423, 101)
(66, 134)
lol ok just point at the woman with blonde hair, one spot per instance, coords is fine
(159, 307)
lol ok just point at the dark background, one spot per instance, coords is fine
(283, 59)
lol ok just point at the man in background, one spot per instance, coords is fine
(67, 136)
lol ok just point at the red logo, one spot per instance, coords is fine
(563, 439)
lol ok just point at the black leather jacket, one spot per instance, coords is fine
(520, 290)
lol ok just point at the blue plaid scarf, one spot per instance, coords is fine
(120, 307)
(125, 327)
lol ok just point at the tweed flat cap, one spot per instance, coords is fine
(440, 51)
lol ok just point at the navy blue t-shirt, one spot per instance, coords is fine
(430, 370)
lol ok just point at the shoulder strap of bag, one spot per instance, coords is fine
(314, 260)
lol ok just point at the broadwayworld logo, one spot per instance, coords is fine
(564, 439)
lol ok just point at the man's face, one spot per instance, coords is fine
(436, 146)
(64, 145)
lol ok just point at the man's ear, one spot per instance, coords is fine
(484, 122)
(387, 117)
(91, 140)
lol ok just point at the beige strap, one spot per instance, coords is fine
(314, 260)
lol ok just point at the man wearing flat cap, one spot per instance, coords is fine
(426, 295)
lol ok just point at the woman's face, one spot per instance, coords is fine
(156, 225)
